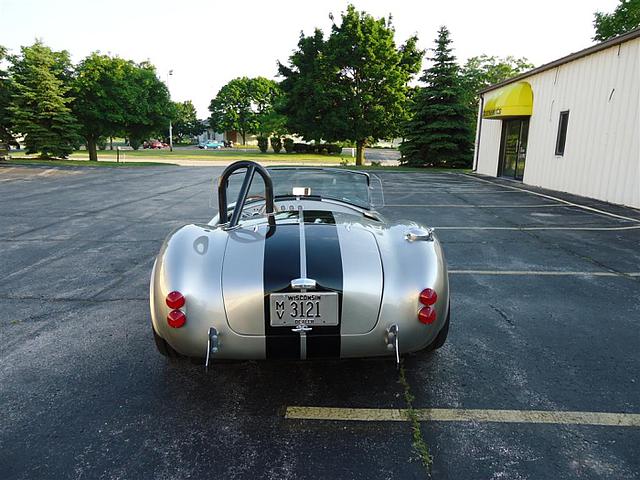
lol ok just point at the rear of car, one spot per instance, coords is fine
(314, 279)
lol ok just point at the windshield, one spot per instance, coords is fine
(357, 188)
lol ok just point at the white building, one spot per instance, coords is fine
(572, 125)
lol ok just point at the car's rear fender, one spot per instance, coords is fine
(409, 267)
(190, 261)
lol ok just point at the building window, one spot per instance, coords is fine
(562, 132)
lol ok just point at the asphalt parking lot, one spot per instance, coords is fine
(545, 316)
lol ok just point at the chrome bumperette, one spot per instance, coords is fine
(419, 235)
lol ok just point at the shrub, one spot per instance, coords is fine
(302, 148)
(276, 144)
(333, 148)
(135, 143)
(288, 145)
(263, 144)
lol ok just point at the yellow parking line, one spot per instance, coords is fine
(465, 415)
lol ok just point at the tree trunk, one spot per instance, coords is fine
(244, 137)
(110, 143)
(92, 147)
(360, 144)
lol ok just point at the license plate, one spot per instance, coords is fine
(291, 309)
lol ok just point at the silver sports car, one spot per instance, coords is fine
(301, 266)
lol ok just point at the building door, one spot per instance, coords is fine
(513, 150)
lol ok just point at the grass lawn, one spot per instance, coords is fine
(222, 155)
(393, 168)
(128, 159)
(80, 163)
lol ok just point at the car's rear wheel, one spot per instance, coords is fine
(441, 338)
(163, 347)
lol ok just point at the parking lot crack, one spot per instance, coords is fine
(419, 444)
(502, 314)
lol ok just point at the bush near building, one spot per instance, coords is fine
(288, 145)
(263, 144)
(276, 144)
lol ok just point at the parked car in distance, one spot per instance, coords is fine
(210, 144)
(154, 144)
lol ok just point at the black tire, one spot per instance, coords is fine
(163, 347)
(441, 338)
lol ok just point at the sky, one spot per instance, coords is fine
(207, 43)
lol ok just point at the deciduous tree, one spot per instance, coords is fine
(185, 121)
(623, 19)
(306, 103)
(101, 102)
(114, 96)
(355, 82)
(40, 101)
(438, 132)
(482, 71)
(244, 104)
(151, 106)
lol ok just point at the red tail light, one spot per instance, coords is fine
(176, 318)
(428, 296)
(427, 315)
(175, 300)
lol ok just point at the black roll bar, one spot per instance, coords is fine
(223, 183)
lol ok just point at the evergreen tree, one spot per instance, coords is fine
(40, 109)
(6, 123)
(438, 133)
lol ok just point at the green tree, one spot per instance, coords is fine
(623, 19)
(438, 132)
(355, 82)
(114, 96)
(244, 104)
(185, 121)
(6, 123)
(150, 105)
(306, 103)
(480, 72)
(101, 93)
(40, 101)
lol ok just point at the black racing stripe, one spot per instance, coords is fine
(324, 265)
(281, 265)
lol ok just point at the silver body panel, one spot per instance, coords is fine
(242, 281)
(221, 274)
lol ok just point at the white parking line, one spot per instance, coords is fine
(457, 205)
(550, 197)
(465, 415)
(544, 272)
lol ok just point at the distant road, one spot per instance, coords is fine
(386, 156)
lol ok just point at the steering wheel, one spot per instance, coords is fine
(249, 212)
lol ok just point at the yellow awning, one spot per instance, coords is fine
(514, 100)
